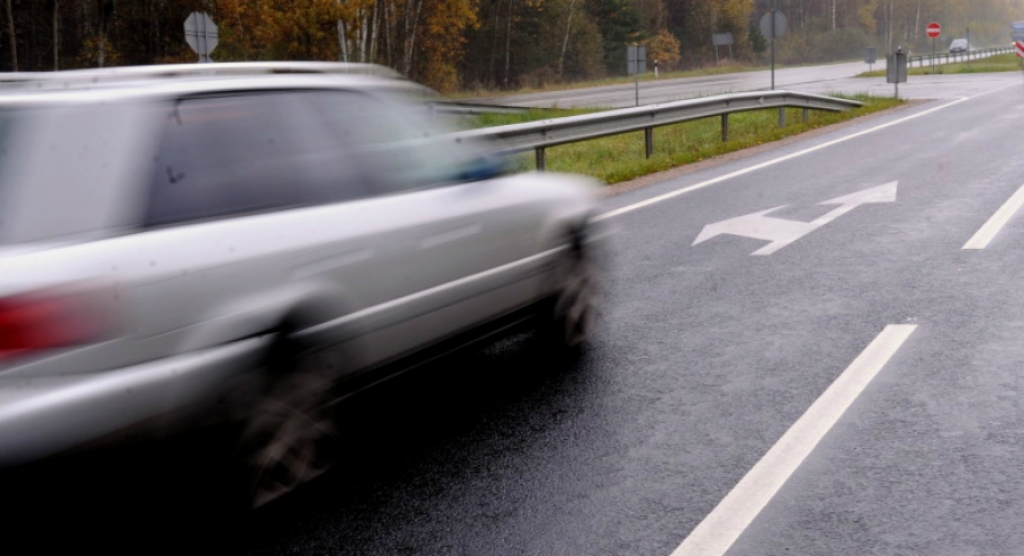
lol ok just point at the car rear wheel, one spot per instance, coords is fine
(569, 319)
(290, 438)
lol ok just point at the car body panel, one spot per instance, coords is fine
(192, 304)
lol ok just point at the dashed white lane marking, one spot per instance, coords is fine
(981, 239)
(774, 161)
(721, 528)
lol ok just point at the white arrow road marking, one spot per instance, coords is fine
(725, 524)
(781, 232)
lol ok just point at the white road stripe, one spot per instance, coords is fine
(981, 239)
(721, 528)
(756, 167)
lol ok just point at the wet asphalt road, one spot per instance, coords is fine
(706, 355)
(823, 79)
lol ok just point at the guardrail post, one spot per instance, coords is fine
(806, 115)
(782, 116)
(540, 159)
(725, 127)
(648, 141)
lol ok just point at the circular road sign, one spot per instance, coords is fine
(780, 25)
(933, 30)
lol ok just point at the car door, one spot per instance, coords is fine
(461, 244)
(249, 211)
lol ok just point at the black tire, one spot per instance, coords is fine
(568, 318)
(289, 436)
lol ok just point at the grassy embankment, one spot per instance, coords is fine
(621, 157)
(992, 64)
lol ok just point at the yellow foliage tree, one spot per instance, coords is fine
(866, 16)
(444, 42)
(663, 48)
(279, 29)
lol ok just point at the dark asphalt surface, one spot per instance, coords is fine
(665, 90)
(706, 355)
(824, 79)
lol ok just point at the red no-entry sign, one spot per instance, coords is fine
(933, 30)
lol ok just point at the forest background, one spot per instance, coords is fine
(456, 45)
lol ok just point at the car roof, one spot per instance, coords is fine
(162, 81)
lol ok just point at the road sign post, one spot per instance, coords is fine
(1018, 47)
(201, 35)
(933, 30)
(721, 39)
(896, 69)
(636, 64)
(636, 59)
(773, 26)
(1017, 33)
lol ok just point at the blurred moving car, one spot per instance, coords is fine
(958, 45)
(241, 238)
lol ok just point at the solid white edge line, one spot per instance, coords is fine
(756, 167)
(720, 529)
(987, 232)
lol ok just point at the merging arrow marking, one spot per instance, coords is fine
(781, 232)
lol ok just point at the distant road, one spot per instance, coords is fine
(834, 78)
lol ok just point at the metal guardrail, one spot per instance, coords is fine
(953, 57)
(541, 134)
(472, 108)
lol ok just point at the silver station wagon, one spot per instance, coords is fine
(181, 238)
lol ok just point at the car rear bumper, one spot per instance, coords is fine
(44, 415)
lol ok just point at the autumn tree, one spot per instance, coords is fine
(492, 43)
(663, 49)
(443, 42)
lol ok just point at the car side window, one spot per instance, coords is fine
(242, 154)
(396, 149)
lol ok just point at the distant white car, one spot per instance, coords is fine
(175, 235)
(958, 45)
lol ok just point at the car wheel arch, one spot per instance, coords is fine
(286, 311)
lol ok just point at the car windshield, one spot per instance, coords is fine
(397, 140)
(416, 130)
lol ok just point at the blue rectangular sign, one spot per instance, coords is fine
(1018, 30)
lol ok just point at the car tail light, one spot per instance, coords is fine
(55, 318)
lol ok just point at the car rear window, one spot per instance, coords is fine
(63, 168)
(8, 121)
(242, 154)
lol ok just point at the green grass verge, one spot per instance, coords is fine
(992, 64)
(621, 157)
